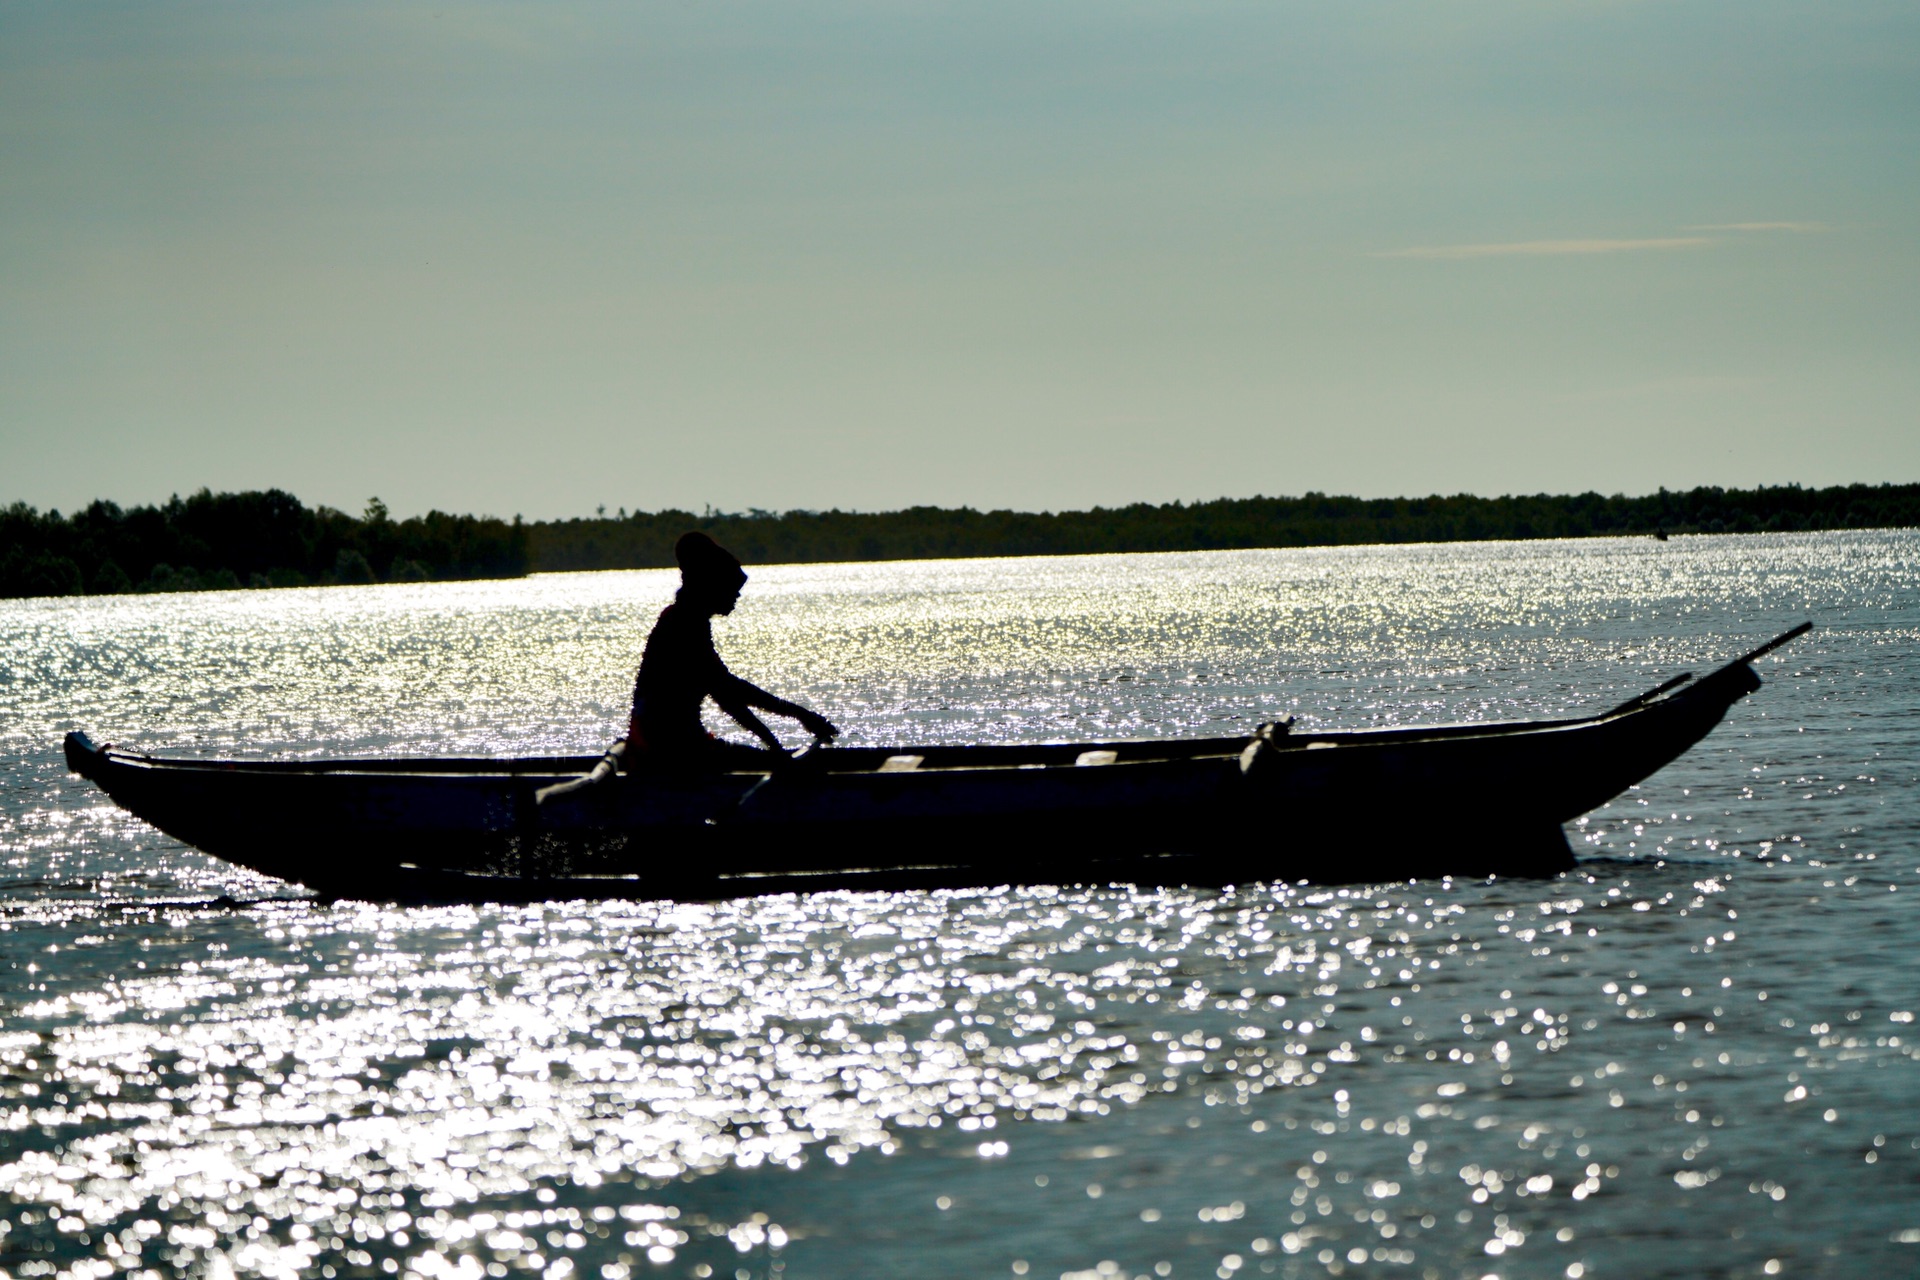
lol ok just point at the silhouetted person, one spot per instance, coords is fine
(680, 669)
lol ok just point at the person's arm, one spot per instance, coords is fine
(751, 722)
(736, 696)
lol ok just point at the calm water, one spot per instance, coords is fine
(1694, 1056)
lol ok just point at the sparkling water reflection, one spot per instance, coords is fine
(1694, 1055)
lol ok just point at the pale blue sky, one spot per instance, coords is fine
(535, 258)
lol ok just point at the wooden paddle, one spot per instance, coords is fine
(807, 754)
(1641, 699)
(609, 765)
(1771, 645)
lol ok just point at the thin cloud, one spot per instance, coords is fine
(1761, 226)
(1547, 248)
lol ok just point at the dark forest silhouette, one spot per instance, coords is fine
(645, 540)
(212, 541)
(267, 539)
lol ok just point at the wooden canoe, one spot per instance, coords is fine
(1346, 806)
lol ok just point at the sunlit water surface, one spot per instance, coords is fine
(1695, 1055)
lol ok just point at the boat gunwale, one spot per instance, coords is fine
(1134, 751)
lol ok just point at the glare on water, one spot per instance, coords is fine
(1695, 1054)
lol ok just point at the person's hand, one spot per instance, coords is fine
(819, 726)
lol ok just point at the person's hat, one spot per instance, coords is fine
(703, 559)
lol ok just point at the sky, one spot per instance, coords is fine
(541, 258)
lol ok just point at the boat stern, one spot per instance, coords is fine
(83, 757)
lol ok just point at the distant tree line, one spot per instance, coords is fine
(645, 539)
(214, 541)
(269, 539)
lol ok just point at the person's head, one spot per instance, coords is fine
(710, 575)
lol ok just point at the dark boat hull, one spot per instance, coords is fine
(1376, 805)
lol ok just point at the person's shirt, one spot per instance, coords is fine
(678, 670)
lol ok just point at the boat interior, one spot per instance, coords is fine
(907, 759)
